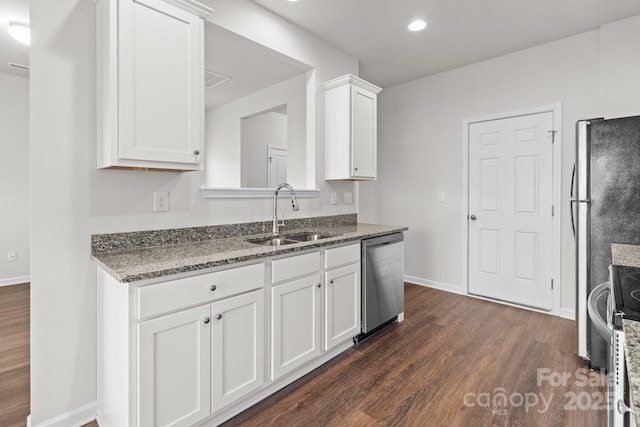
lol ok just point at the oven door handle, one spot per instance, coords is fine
(600, 291)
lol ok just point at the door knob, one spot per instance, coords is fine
(473, 217)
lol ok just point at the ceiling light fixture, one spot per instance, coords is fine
(20, 31)
(417, 25)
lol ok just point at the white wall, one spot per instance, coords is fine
(222, 136)
(14, 178)
(619, 88)
(420, 137)
(258, 133)
(70, 199)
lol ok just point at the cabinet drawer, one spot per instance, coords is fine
(295, 266)
(163, 297)
(342, 255)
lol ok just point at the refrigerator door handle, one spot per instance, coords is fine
(573, 221)
(573, 178)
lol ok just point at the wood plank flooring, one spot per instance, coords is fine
(448, 364)
(14, 355)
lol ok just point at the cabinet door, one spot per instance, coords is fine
(342, 305)
(237, 347)
(295, 324)
(364, 131)
(174, 368)
(161, 82)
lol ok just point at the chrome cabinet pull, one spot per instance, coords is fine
(473, 217)
(319, 285)
(206, 320)
(196, 152)
(213, 287)
(219, 316)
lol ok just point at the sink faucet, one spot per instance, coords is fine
(294, 205)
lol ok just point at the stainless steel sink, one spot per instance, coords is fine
(273, 241)
(308, 237)
(290, 239)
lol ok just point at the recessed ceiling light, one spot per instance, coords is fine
(20, 31)
(417, 25)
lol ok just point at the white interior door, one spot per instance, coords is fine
(510, 209)
(277, 165)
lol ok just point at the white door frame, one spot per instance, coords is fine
(270, 148)
(556, 234)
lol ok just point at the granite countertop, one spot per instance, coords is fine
(632, 357)
(140, 263)
(625, 255)
(629, 256)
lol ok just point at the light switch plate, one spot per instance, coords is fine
(441, 196)
(12, 256)
(334, 198)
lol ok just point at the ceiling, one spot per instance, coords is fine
(250, 66)
(11, 50)
(459, 32)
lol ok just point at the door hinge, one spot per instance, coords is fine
(553, 210)
(551, 284)
(553, 135)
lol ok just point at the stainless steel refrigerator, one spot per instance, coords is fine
(605, 199)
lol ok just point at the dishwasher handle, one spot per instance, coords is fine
(382, 240)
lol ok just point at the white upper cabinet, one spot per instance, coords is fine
(150, 84)
(351, 109)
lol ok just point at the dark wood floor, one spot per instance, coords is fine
(14, 355)
(448, 364)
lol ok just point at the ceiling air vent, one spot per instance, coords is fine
(19, 66)
(213, 79)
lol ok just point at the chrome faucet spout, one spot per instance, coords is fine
(294, 205)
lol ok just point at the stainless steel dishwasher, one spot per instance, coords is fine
(382, 280)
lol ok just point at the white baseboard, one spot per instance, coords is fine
(75, 418)
(456, 289)
(15, 280)
(567, 313)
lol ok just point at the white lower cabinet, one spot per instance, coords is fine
(342, 305)
(174, 368)
(295, 324)
(198, 361)
(237, 348)
(194, 350)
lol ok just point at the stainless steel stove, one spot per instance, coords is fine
(623, 302)
(626, 291)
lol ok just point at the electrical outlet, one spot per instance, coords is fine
(161, 201)
(441, 197)
(334, 198)
(12, 256)
(348, 198)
